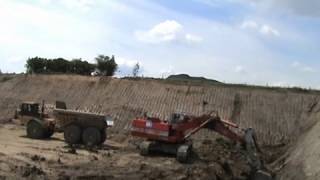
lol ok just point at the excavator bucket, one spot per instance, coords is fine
(259, 171)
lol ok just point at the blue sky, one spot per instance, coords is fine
(237, 41)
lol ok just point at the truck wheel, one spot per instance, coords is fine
(35, 130)
(72, 134)
(103, 136)
(183, 153)
(91, 136)
(49, 133)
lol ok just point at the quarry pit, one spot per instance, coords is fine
(285, 120)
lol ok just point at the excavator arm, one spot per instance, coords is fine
(249, 140)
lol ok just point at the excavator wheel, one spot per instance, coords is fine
(103, 136)
(183, 153)
(35, 130)
(72, 134)
(145, 148)
(91, 136)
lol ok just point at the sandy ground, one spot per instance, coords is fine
(24, 158)
(281, 119)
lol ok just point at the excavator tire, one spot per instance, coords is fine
(183, 153)
(72, 134)
(91, 136)
(145, 148)
(35, 130)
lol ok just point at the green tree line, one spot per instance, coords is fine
(104, 66)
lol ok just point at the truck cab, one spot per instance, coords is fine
(27, 111)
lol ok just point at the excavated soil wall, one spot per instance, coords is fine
(278, 116)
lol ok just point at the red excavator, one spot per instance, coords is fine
(171, 137)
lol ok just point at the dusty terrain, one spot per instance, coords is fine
(285, 121)
(23, 158)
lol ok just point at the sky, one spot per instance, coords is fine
(261, 42)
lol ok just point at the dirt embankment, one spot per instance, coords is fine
(279, 117)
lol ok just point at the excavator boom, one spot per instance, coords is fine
(172, 137)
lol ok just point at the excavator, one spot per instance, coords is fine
(173, 137)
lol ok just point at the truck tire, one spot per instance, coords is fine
(72, 134)
(49, 133)
(35, 130)
(183, 153)
(103, 136)
(91, 136)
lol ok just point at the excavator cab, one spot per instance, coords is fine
(178, 118)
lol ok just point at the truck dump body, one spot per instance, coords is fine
(83, 119)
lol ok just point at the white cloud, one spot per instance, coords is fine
(167, 31)
(268, 30)
(83, 5)
(249, 25)
(303, 68)
(45, 2)
(163, 32)
(308, 69)
(125, 66)
(296, 64)
(16, 59)
(127, 62)
(239, 69)
(53, 29)
(193, 38)
(263, 29)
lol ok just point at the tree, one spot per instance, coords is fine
(36, 65)
(106, 65)
(0, 72)
(58, 65)
(135, 70)
(77, 66)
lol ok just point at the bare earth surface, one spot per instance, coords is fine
(286, 122)
(23, 158)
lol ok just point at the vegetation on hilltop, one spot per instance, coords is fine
(186, 77)
(104, 66)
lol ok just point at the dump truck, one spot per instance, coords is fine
(78, 127)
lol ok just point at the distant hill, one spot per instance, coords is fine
(186, 77)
